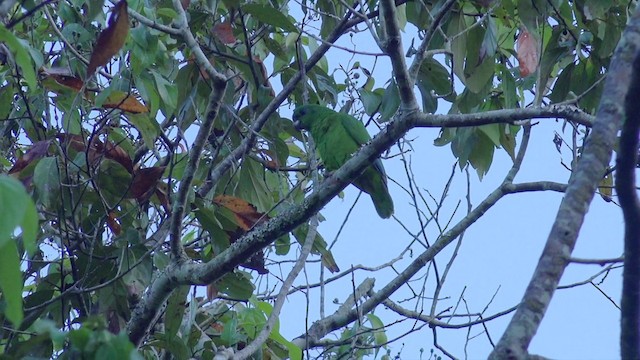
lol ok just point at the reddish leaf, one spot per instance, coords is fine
(36, 152)
(212, 292)
(113, 223)
(118, 154)
(245, 214)
(528, 53)
(111, 39)
(98, 149)
(76, 142)
(224, 32)
(144, 182)
(271, 161)
(161, 192)
(63, 77)
(126, 102)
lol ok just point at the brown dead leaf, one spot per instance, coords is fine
(271, 161)
(114, 224)
(161, 192)
(224, 32)
(97, 149)
(528, 53)
(212, 292)
(37, 151)
(245, 213)
(75, 142)
(62, 77)
(144, 182)
(218, 327)
(118, 154)
(111, 39)
(126, 102)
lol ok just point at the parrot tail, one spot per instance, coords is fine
(383, 203)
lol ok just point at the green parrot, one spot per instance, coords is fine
(337, 137)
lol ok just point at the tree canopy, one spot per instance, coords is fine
(157, 200)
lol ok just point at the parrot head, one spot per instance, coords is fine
(302, 117)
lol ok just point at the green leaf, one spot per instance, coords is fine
(113, 181)
(390, 102)
(283, 245)
(11, 282)
(175, 346)
(252, 320)
(168, 93)
(490, 40)
(22, 57)
(508, 85)
(480, 76)
(562, 84)
(379, 334)
(458, 30)
(147, 126)
(319, 247)
(269, 15)
(371, 100)
(175, 310)
(445, 137)
(6, 101)
(17, 210)
(237, 285)
(508, 140)
(230, 335)
(482, 155)
(46, 179)
(492, 131)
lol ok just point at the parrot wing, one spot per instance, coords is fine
(374, 179)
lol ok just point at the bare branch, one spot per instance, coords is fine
(392, 46)
(506, 116)
(628, 197)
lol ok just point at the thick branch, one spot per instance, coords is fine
(506, 116)
(628, 197)
(582, 186)
(219, 84)
(393, 47)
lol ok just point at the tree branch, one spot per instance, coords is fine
(580, 191)
(628, 197)
(219, 84)
(392, 46)
(506, 116)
